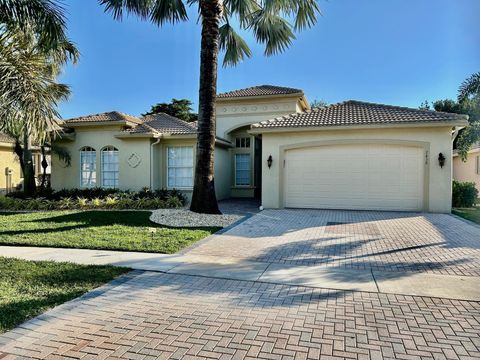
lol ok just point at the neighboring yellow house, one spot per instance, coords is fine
(271, 145)
(10, 172)
(11, 177)
(468, 171)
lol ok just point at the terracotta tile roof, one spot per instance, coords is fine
(165, 124)
(4, 138)
(105, 117)
(262, 90)
(352, 112)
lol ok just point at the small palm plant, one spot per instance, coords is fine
(111, 201)
(82, 202)
(273, 24)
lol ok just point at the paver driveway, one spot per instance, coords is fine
(153, 315)
(386, 241)
(147, 315)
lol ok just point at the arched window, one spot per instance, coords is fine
(110, 167)
(88, 167)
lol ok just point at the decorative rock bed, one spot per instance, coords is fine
(187, 218)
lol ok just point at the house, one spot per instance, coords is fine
(469, 170)
(271, 145)
(11, 176)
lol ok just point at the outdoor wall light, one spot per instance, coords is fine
(269, 161)
(441, 160)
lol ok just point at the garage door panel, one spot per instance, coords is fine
(370, 176)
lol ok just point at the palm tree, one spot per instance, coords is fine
(470, 87)
(33, 47)
(44, 17)
(266, 19)
(30, 93)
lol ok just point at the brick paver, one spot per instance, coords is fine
(386, 241)
(149, 315)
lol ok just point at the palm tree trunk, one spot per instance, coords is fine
(28, 172)
(19, 152)
(203, 198)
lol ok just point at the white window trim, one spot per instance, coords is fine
(193, 168)
(235, 170)
(245, 138)
(477, 164)
(92, 150)
(109, 148)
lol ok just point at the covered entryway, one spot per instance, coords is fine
(355, 176)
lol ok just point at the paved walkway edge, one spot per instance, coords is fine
(403, 283)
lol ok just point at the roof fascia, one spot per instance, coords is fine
(358, 127)
(276, 96)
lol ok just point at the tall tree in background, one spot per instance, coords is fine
(181, 109)
(33, 48)
(268, 20)
(317, 103)
(467, 103)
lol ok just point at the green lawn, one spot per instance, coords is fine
(28, 288)
(472, 214)
(111, 230)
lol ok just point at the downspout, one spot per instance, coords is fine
(151, 160)
(455, 132)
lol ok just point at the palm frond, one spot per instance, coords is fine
(305, 13)
(236, 49)
(46, 17)
(243, 9)
(29, 92)
(140, 8)
(471, 86)
(271, 30)
(157, 11)
(469, 136)
(168, 11)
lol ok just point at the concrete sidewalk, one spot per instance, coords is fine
(338, 278)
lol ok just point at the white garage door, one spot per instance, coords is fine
(369, 177)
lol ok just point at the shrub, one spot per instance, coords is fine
(464, 194)
(96, 198)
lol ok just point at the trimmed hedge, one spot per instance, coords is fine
(97, 198)
(101, 193)
(464, 194)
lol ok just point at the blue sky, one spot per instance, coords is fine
(399, 52)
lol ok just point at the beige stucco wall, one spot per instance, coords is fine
(133, 177)
(434, 140)
(9, 160)
(130, 177)
(232, 114)
(234, 117)
(467, 171)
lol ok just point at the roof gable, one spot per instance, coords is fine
(262, 90)
(150, 124)
(4, 138)
(164, 124)
(352, 113)
(106, 117)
